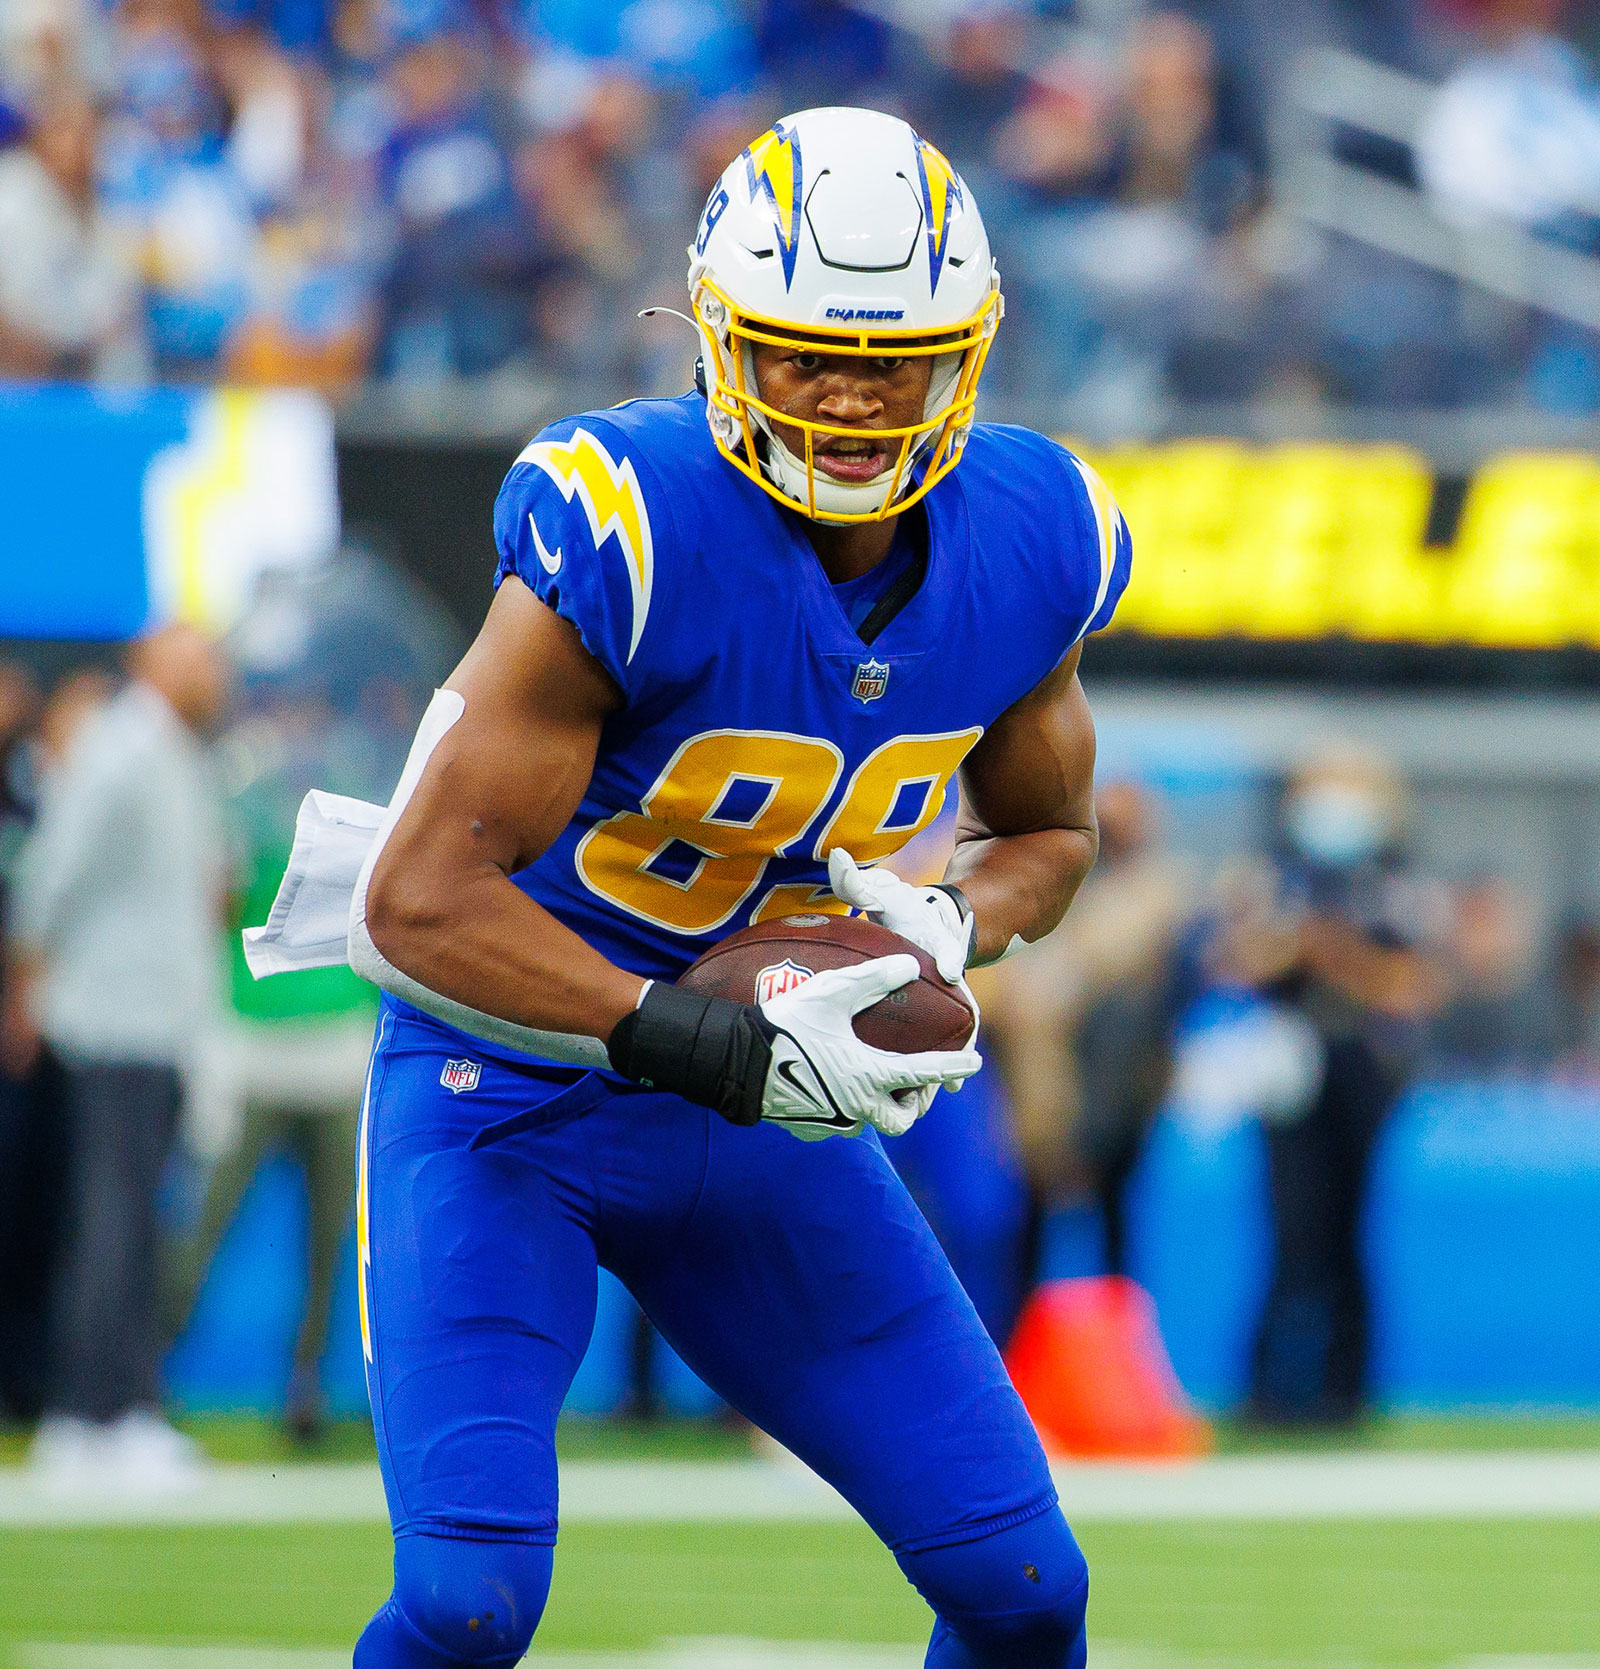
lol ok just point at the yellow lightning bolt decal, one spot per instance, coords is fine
(941, 180)
(1108, 522)
(611, 499)
(772, 161)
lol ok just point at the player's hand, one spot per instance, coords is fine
(928, 916)
(824, 1081)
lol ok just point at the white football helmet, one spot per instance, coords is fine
(843, 232)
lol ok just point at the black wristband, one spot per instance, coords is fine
(964, 905)
(707, 1049)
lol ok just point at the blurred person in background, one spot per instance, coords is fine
(1495, 1019)
(580, 176)
(1344, 934)
(46, 43)
(73, 702)
(1575, 1009)
(1126, 191)
(168, 182)
(32, 1154)
(35, 1135)
(20, 708)
(1086, 1018)
(311, 313)
(69, 296)
(332, 669)
(456, 293)
(115, 956)
(293, 1050)
(1513, 138)
(974, 78)
(266, 114)
(303, 28)
(717, 129)
(824, 51)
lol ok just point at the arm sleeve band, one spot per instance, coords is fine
(964, 905)
(443, 711)
(707, 1049)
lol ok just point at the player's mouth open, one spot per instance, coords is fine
(850, 458)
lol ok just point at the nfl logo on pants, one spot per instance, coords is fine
(460, 1075)
(872, 679)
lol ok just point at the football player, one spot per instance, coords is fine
(742, 643)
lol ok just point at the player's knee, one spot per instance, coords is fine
(475, 1602)
(1016, 1598)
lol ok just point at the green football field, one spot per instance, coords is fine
(1337, 1594)
(1347, 1593)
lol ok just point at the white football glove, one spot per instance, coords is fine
(928, 916)
(824, 1081)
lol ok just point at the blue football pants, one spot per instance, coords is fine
(798, 1280)
(964, 1171)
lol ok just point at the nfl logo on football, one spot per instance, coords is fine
(872, 679)
(460, 1075)
(783, 976)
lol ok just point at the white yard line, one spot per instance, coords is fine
(227, 1495)
(1261, 1487)
(1526, 1485)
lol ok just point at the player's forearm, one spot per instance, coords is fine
(1019, 886)
(473, 937)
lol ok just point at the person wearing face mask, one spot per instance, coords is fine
(1350, 948)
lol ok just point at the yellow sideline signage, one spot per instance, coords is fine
(1312, 540)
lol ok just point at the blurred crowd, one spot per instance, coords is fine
(328, 191)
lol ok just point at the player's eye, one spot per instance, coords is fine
(888, 362)
(807, 362)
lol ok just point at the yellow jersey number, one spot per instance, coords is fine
(731, 800)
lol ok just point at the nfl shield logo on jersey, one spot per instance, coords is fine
(460, 1075)
(783, 976)
(872, 679)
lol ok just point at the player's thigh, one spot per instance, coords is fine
(808, 1290)
(962, 1168)
(478, 1283)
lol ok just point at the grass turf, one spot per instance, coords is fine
(1416, 1593)
(1325, 1593)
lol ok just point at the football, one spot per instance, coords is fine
(774, 956)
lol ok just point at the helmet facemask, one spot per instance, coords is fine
(744, 424)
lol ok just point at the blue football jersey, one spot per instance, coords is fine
(758, 731)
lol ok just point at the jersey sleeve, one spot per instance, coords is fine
(1105, 545)
(576, 524)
